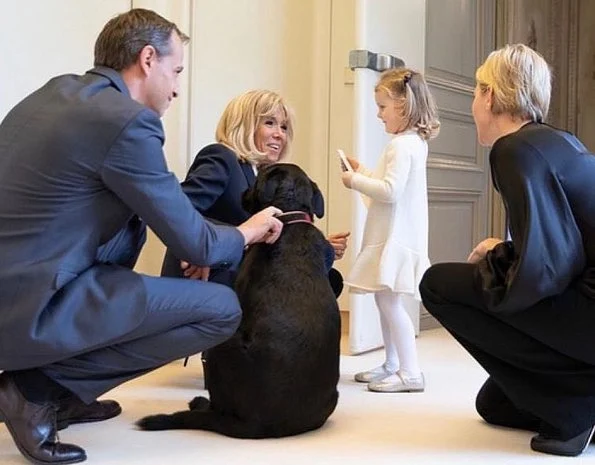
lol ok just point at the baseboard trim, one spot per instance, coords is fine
(427, 321)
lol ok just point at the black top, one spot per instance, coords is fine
(546, 179)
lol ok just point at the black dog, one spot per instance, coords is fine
(277, 376)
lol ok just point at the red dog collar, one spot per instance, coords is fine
(294, 217)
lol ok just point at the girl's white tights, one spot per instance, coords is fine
(398, 334)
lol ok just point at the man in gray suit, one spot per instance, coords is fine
(81, 172)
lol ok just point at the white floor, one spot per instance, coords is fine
(439, 426)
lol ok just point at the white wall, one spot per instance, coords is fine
(42, 38)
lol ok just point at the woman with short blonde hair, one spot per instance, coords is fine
(524, 308)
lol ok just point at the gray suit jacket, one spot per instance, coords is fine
(78, 158)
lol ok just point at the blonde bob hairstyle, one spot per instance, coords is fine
(419, 110)
(520, 80)
(240, 121)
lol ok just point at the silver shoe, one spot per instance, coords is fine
(389, 384)
(373, 374)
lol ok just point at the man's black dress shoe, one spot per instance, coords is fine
(74, 410)
(570, 448)
(33, 427)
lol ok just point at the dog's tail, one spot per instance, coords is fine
(210, 420)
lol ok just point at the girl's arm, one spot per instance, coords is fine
(390, 188)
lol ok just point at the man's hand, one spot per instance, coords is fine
(339, 243)
(481, 249)
(194, 271)
(262, 227)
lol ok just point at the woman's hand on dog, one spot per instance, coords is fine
(262, 227)
(339, 243)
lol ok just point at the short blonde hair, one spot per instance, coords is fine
(520, 80)
(419, 108)
(240, 120)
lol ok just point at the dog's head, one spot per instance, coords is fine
(285, 186)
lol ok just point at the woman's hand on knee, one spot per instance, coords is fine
(481, 249)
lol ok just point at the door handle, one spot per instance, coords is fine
(374, 61)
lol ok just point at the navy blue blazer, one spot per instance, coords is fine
(214, 184)
(78, 158)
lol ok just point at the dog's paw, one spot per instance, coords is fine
(199, 403)
(155, 422)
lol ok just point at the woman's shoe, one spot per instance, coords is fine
(373, 374)
(569, 448)
(398, 383)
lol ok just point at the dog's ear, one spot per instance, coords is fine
(262, 192)
(269, 180)
(317, 201)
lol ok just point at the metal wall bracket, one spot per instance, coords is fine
(374, 61)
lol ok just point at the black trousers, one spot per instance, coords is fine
(532, 384)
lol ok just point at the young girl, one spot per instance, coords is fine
(394, 253)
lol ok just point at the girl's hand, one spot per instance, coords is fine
(346, 177)
(353, 162)
(481, 249)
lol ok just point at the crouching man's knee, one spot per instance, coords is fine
(231, 313)
(225, 315)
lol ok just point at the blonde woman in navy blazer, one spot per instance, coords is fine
(255, 129)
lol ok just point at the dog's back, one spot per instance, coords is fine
(285, 355)
(277, 376)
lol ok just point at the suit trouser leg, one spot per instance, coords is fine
(122, 249)
(184, 317)
(537, 379)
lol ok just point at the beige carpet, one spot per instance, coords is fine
(438, 427)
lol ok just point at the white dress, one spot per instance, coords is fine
(394, 252)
